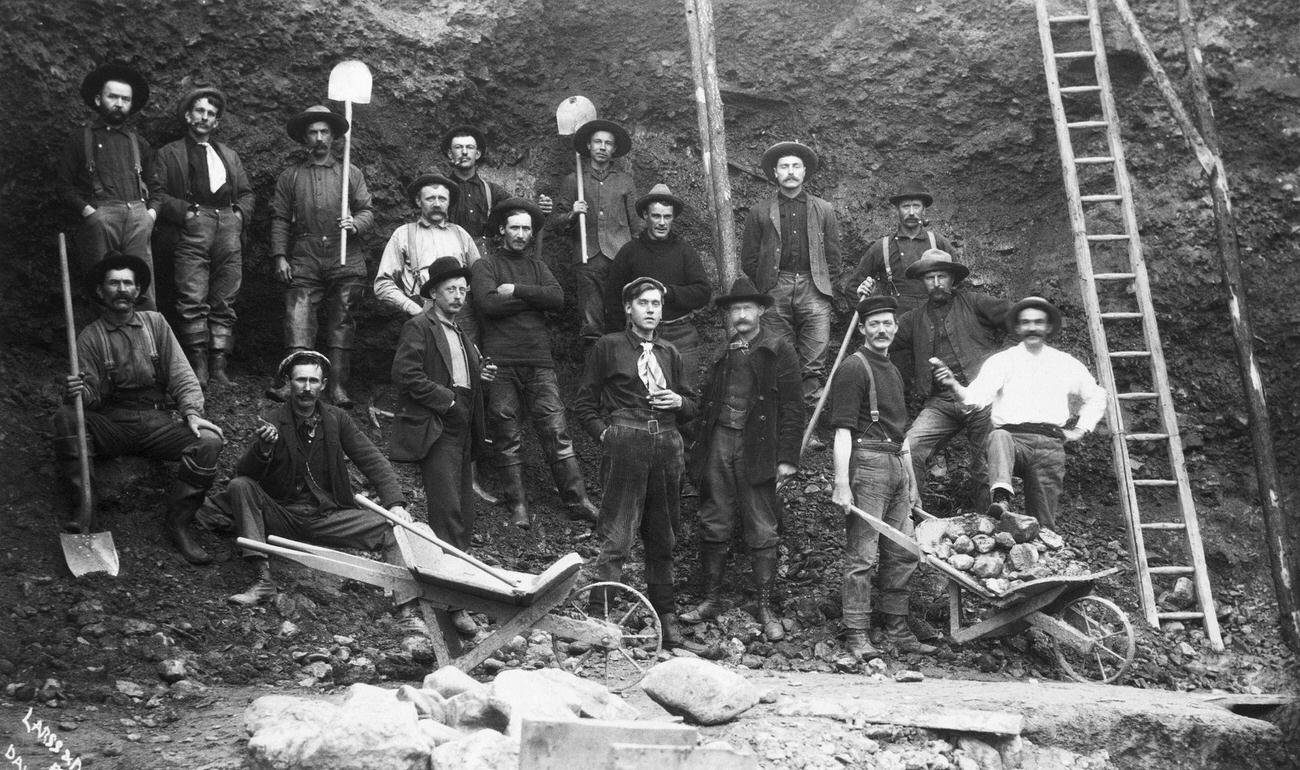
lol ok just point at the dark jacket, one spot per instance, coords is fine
(422, 374)
(672, 261)
(343, 441)
(171, 193)
(975, 327)
(774, 425)
(760, 248)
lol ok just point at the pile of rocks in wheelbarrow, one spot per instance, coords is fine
(1004, 553)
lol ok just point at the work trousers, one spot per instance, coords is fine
(591, 279)
(448, 477)
(880, 488)
(729, 497)
(122, 227)
(942, 418)
(802, 315)
(146, 432)
(317, 276)
(208, 273)
(538, 389)
(258, 515)
(686, 338)
(1038, 460)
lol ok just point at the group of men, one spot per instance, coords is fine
(474, 354)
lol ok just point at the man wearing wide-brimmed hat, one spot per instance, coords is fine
(133, 375)
(882, 269)
(790, 245)
(746, 443)
(465, 148)
(203, 198)
(961, 329)
(610, 206)
(659, 252)
(1031, 388)
(106, 168)
(306, 231)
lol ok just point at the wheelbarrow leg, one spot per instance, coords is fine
(954, 608)
(442, 633)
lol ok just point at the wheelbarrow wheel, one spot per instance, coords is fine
(621, 657)
(1111, 643)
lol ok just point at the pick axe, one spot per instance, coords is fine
(349, 83)
(569, 117)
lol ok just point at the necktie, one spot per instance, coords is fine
(647, 368)
(216, 169)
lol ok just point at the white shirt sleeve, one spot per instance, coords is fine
(391, 273)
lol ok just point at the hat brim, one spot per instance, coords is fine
(479, 138)
(765, 300)
(496, 219)
(186, 102)
(94, 83)
(424, 180)
(622, 139)
(426, 289)
(1037, 303)
(95, 275)
(925, 198)
(781, 150)
(296, 128)
(644, 202)
(919, 268)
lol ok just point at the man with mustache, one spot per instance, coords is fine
(612, 219)
(466, 149)
(306, 230)
(514, 291)
(105, 170)
(885, 260)
(1030, 388)
(659, 252)
(203, 196)
(133, 371)
(874, 473)
(790, 242)
(961, 329)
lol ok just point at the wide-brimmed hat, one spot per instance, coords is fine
(442, 269)
(937, 259)
(94, 83)
(1053, 315)
(743, 290)
(499, 211)
(296, 128)
(424, 180)
(781, 150)
(877, 303)
(296, 358)
(633, 288)
(659, 194)
(622, 139)
(912, 191)
(187, 101)
(480, 139)
(95, 275)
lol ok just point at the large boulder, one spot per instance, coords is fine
(596, 699)
(472, 710)
(521, 695)
(450, 681)
(703, 692)
(483, 750)
(312, 735)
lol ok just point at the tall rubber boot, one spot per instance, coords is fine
(340, 374)
(223, 342)
(573, 491)
(515, 499)
(182, 504)
(764, 563)
(197, 355)
(713, 562)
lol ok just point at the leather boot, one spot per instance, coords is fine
(902, 638)
(568, 480)
(661, 598)
(182, 504)
(672, 633)
(219, 375)
(340, 374)
(713, 562)
(514, 494)
(859, 646)
(261, 589)
(764, 563)
(197, 354)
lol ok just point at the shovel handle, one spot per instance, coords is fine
(582, 218)
(84, 512)
(821, 401)
(347, 166)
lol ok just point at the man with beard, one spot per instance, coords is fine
(746, 444)
(306, 230)
(659, 253)
(466, 148)
(789, 243)
(630, 400)
(104, 170)
(890, 257)
(203, 193)
(612, 218)
(873, 473)
(1030, 388)
(132, 367)
(961, 329)
(513, 292)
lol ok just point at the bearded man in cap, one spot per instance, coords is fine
(513, 292)
(887, 259)
(306, 231)
(612, 218)
(204, 197)
(1030, 388)
(466, 149)
(105, 171)
(133, 371)
(659, 252)
(746, 444)
(789, 244)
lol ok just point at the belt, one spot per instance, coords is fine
(316, 237)
(795, 273)
(99, 204)
(729, 417)
(652, 425)
(1035, 428)
(887, 447)
(228, 208)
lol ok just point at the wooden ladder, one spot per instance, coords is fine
(1147, 449)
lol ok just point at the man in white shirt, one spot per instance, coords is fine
(1029, 387)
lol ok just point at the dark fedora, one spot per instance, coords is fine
(424, 180)
(94, 83)
(1037, 303)
(215, 94)
(634, 288)
(877, 303)
(912, 191)
(443, 269)
(622, 139)
(479, 138)
(502, 209)
(296, 128)
(660, 194)
(937, 259)
(743, 290)
(783, 149)
(297, 358)
(137, 265)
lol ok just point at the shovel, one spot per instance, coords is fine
(349, 83)
(569, 117)
(84, 552)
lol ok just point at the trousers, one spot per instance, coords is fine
(880, 488)
(123, 227)
(942, 418)
(208, 274)
(538, 389)
(449, 479)
(802, 314)
(257, 515)
(730, 498)
(146, 432)
(1038, 460)
(317, 277)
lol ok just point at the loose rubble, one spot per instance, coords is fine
(1004, 554)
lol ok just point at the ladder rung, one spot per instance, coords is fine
(1075, 54)
(1156, 483)
(1171, 570)
(1100, 198)
(1074, 17)
(1095, 160)
(1146, 436)
(1185, 615)
(1131, 354)
(1108, 237)
(1117, 316)
(1114, 276)
(1087, 124)
(1139, 395)
(1080, 89)
(1164, 525)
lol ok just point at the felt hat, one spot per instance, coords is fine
(479, 138)
(499, 211)
(296, 128)
(1053, 315)
(296, 358)
(187, 101)
(877, 303)
(742, 290)
(659, 194)
(442, 269)
(937, 259)
(95, 275)
(622, 139)
(912, 191)
(633, 288)
(424, 180)
(94, 83)
(783, 149)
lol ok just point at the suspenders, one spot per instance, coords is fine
(884, 257)
(872, 400)
(151, 345)
(88, 142)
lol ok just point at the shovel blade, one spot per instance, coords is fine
(350, 82)
(89, 553)
(572, 113)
